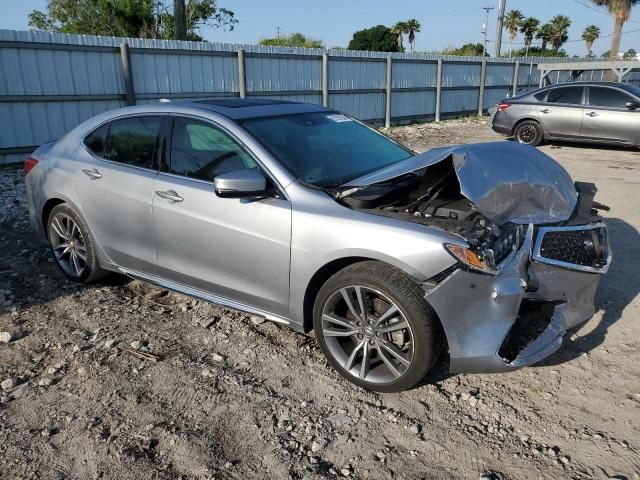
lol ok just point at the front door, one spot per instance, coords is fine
(561, 113)
(607, 118)
(114, 171)
(235, 248)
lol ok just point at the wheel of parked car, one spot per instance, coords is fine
(529, 133)
(375, 327)
(72, 245)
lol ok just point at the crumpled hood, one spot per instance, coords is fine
(507, 181)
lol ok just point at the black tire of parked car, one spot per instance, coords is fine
(529, 132)
(92, 270)
(408, 297)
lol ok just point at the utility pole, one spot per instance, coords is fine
(278, 35)
(180, 19)
(485, 28)
(501, 8)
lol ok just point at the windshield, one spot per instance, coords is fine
(325, 149)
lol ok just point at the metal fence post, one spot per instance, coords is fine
(125, 58)
(242, 77)
(325, 80)
(516, 73)
(438, 90)
(483, 76)
(387, 109)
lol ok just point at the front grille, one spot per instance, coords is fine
(586, 248)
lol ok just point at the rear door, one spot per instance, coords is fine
(561, 112)
(607, 118)
(236, 248)
(114, 172)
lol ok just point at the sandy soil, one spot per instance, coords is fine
(230, 398)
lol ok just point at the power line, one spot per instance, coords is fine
(591, 7)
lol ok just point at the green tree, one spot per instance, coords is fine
(528, 28)
(129, 18)
(545, 34)
(376, 39)
(539, 52)
(466, 50)
(620, 10)
(590, 34)
(606, 54)
(294, 40)
(559, 30)
(512, 21)
(399, 29)
(413, 26)
(630, 54)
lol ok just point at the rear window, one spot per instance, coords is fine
(566, 95)
(131, 140)
(95, 140)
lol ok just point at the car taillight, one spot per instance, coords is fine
(29, 163)
(503, 106)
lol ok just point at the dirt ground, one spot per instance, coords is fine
(230, 398)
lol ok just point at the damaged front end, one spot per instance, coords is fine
(531, 249)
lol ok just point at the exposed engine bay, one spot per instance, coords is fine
(433, 195)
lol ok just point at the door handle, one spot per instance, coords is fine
(93, 173)
(170, 195)
(592, 114)
(545, 111)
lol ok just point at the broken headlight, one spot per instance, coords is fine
(471, 258)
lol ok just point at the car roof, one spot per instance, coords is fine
(243, 108)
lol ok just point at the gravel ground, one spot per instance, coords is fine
(230, 397)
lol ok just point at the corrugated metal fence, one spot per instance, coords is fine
(50, 82)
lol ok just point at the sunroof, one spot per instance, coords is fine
(241, 102)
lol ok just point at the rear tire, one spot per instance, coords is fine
(529, 133)
(393, 345)
(72, 246)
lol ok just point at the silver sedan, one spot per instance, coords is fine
(313, 220)
(591, 112)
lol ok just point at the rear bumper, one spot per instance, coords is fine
(487, 320)
(502, 124)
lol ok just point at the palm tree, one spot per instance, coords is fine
(512, 21)
(590, 35)
(399, 29)
(559, 26)
(413, 27)
(528, 28)
(544, 34)
(621, 12)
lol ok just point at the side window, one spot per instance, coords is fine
(133, 141)
(608, 97)
(541, 95)
(570, 95)
(199, 150)
(95, 140)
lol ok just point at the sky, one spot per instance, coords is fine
(445, 23)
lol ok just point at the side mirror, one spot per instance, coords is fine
(633, 105)
(240, 184)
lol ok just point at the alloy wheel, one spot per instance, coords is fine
(68, 245)
(367, 333)
(527, 134)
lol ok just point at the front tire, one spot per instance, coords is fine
(528, 133)
(72, 246)
(375, 328)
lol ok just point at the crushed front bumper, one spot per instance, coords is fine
(481, 314)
